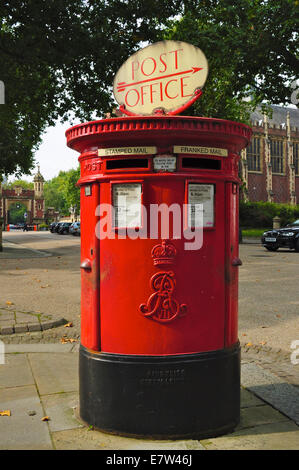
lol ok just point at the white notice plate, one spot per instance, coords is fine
(164, 163)
(200, 205)
(127, 204)
(270, 239)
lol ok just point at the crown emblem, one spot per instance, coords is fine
(164, 253)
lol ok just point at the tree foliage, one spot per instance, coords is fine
(252, 49)
(19, 182)
(16, 213)
(59, 58)
(62, 193)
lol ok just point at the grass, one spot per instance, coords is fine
(253, 232)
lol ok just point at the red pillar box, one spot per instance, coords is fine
(159, 352)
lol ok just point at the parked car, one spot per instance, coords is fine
(287, 237)
(57, 227)
(75, 228)
(52, 226)
(64, 228)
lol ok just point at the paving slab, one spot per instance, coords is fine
(55, 373)
(258, 415)
(87, 439)
(249, 399)
(39, 348)
(15, 371)
(21, 430)
(272, 389)
(274, 436)
(60, 407)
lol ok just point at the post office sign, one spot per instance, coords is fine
(164, 75)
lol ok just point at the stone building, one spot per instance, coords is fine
(269, 166)
(32, 199)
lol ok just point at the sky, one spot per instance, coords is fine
(53, 154)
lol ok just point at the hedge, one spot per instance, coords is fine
(260, 214)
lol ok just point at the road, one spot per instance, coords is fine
(268, 287)
(46, 281)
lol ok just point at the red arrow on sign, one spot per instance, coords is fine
(122, 85)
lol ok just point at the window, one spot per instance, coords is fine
(276, 152)
(296, 157)
(253, 155)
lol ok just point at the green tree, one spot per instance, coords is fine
(54, 193)
(19, 182)
(61, 191)
(16, 213)
(71, 191)
(59, 58)
(252, 49)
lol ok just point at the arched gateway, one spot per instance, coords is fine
(33, 199)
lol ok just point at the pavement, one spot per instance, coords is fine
(39, 387)
(39, 369)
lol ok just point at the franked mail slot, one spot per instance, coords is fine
(126, 163)
(203, 163)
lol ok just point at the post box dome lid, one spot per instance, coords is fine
(166, 76)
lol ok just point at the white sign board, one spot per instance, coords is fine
(163, 75)
(127, 204)
(200, 201)
(164, 163)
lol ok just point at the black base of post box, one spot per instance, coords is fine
(162, 397)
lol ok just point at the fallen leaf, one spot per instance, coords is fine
(248, 344)
(43, 287)
(8, 302)
(67, 340)
(68, 325)
(278, 316)
(263, 342)
(244, 334)
(45, 418)
(5, 413)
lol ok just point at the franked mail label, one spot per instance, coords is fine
(186, 149)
